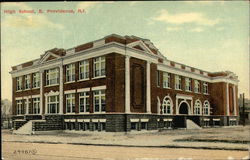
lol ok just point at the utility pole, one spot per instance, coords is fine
(243, 105)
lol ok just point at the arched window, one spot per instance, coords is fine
(206, 109)
(197, 107)
(167, 106)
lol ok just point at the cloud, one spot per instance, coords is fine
(197, 29)
(27, 20)
(133, 3)
(170, 29)
(205, 2)
(90, 5)
(183, 18)
(30, 21)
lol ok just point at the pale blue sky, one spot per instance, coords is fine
(212, 36)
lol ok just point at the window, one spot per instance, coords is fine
(27, 82)
(19, 107)
(205, 88)
(196, 86)
(144, 125)
(84, 102)
(177, 82)
(95, 126)
(36, 105)
(84, 69)
(36, 80)
(19, 83)
(87, 126)
(52, 76)
(70, 72)
(188, 84)
(27, 106)
(166, 80)
(158, 78)
(103, 126)
(70, 103)
(168, 124)
(206, 109)
(99, 66)
(197, 107)
(53, 104)
(166, 106)
(134, 125)
(99, 101)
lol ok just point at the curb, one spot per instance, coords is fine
(118, 145)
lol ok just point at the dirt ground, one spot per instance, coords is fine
(37, 151)
(210, 143)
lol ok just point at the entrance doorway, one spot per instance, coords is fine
(183, 108)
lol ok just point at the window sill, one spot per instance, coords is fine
(80, 80)
(178, 89)
(51, 85)
(167, 88)
(36, 88)
(99, 77)
(197, 92)
(70, 113)
(206, 93)
(99, 112)
(47, 114)
(19, 91)
(188, 91)
(83, 113)
(69, 82)
(26, 89)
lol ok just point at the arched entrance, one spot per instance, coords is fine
(183, 109)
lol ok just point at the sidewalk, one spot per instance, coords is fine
(211, 138)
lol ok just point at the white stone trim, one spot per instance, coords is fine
(127, 84)
(83, 90)
(102, 120)
(98, 43)
(61, 89)
(183, 96)
(216, 119)
(167, 68)
(99, 88)
(95, 120)
(86, 120)
(70, 91)
(148, 107)
(70, 51)
(232, 119)
(206, 119)
(18, 98)
(80, 120)
(41, 91)
(234, 99)
(158, 119)
(141, 44)
(66, 120)
(36, 96)
(167, 119)
(158, 105)
(227, 99)
(144, 120)
(134, 120)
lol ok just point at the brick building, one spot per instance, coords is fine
(119, 83)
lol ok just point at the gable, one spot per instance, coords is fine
(141, 46)
(48, 56)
